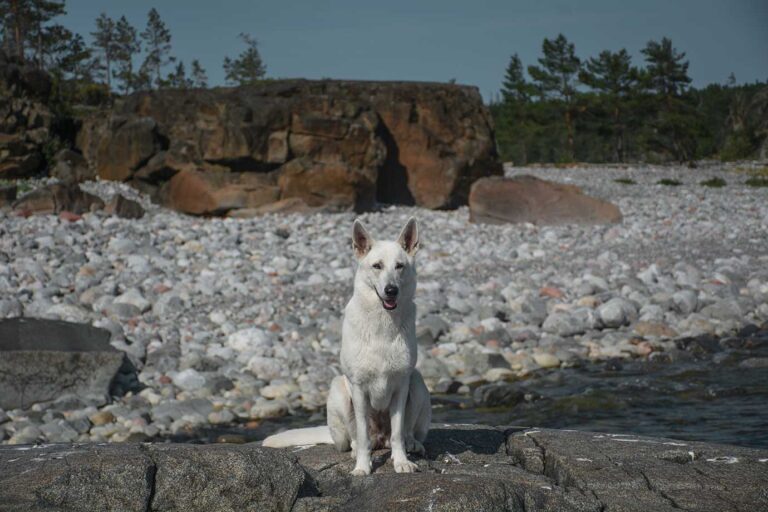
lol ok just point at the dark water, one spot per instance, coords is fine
(697, 400)
(709, 390)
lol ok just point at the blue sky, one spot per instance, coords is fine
(437, 40)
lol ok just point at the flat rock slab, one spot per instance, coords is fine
(139, 477)
(498, 200)
(466, 468)
(41, 360)
(635, 473)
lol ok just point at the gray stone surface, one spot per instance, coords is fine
(635, 473)
(138, 477)
(466, 468)
(41, 360)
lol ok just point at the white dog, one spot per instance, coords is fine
(381, 395)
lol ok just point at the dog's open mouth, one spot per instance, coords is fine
(389, 304)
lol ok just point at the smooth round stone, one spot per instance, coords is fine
(269, 409)
(189, 379)
(497, 374)
(546, 360)
(274, 391)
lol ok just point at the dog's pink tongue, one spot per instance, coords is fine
(390, 304)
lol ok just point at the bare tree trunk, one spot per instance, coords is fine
(109, 72)
(569, 131)
(17, 30)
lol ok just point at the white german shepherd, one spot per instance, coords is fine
(381, 399)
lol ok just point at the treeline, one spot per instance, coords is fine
(117, 59)
(605, 109)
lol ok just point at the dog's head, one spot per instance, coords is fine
(385, 268)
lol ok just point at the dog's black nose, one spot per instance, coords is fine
(391, 290)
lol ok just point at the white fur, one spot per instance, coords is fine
(378, 357)
(299, 437)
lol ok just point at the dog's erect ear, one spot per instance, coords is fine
(361, 240)
(409, 237)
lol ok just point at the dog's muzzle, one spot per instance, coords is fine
(389, 301)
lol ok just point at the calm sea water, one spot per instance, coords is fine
(697, 400)
(717, 398)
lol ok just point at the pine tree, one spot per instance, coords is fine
(157, 42)
(40, 12)
(613, 77)
(66, 53)
(126, 46)
(24, 26)
(177, 79)
(514, 112)
(199, 77)
(247, 68)
(104, 41)
(667, 70)
(515, 86)
(666, 75)
(557, 79)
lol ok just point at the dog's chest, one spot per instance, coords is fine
(379, 361)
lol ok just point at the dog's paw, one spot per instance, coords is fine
(405, 466)
(362, 471)
(414, 446)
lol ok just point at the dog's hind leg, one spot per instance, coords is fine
(339, 414)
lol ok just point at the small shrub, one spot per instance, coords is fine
(625, 181)
(757, 181)
(714, 182)
(668, 182)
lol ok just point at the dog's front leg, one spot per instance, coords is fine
(397, 416)
(363, 444)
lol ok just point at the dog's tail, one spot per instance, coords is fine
(299, 437)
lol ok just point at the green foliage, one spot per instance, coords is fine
(248, 67)
(714, 183)
(617, 112)
(178, 78)
(199, 77)
(669, 182)
(737, 146)
(556, 78)
(157, 42)
(625, 181)
(757, 181)
(126, 46)
(22, 185)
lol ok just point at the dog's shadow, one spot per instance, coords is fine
(464, 441)
(445, 445)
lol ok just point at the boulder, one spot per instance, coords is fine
(124, 208)
(25, 120)
(7, 195)
(213, 193)
(497, 200)
(335, 144)
(40, 360)
(57, 198)
(70, 166)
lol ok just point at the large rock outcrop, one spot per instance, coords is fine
(25, 120)
(332, 144)
(466, 468)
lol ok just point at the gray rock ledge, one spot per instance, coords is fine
(467, 468)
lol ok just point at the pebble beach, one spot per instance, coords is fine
(239, 320)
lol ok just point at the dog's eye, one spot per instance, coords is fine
(398, 266)
(377, 266)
